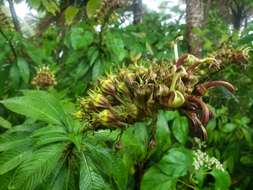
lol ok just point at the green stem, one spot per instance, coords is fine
(188, 185)
(174, 81)
(176, 51)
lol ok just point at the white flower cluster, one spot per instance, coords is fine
(202, 160)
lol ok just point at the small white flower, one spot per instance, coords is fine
(203, 160)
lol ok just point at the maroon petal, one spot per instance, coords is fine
(204, 109)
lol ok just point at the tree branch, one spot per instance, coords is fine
(14, 16)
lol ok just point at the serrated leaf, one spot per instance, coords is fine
(34, 170)
(38, 105)
(112, 164)
(89, 178)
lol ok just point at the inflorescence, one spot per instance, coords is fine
(137, 91)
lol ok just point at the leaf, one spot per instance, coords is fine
(176, 162)
(12, 163)
(34, 170)
(12, 144)
(89, 179)
(112, 164)
(135, 140)
(14, 75)
(70, 14)
(92, 7)
(180, 129)
(222, 179)
(228, 127)
(80, 38)
(163, 134)
(4, 123)
(38, 105)
(171, 115)
(23, 69)
(115, 46)
(50, 6)
(156, 179)
(97, 69)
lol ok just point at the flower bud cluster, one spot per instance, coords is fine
(203, 161)
(137, 91)
(44, 78)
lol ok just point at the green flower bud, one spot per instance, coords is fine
(122, 88)
(98, 100)
(78, 115)
(176, 100)
(106, 117)
(107, 86)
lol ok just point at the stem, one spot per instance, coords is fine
(174, 81)
(139, 171)
(188, 185)
(10, 43)
(176, 51)
(14, 16)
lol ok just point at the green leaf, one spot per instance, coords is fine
(97, 69)
(34, 170)
(176, 162)
(4, 123)
(222, 179)
(23, 69)
(228, 127)
(112, 164)
(92, 7)
(80, 38)
(10, 145)
(38, 105)
(163, 134)
(70, 14)
(180, 129)
(135, 140)
(171, 115)
(50, 6)
(89, 178)
(156, 179)
(14, 75)
(12, 163)
(115, 46)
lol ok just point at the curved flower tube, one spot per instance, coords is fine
(201, 89)
(204, 109)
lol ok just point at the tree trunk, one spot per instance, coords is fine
(137, 11)
(194, 19)
(237, 21)
(14, 16)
